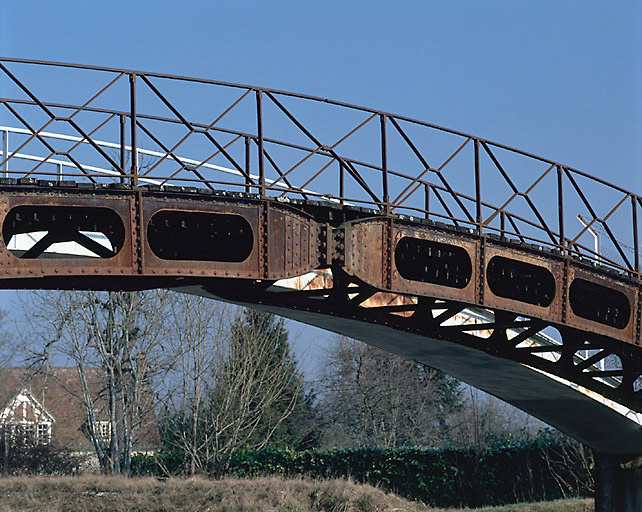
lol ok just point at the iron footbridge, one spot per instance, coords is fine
(459, 252)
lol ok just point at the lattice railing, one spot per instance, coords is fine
(84, 123)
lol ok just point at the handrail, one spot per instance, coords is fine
(311, 98)
(113, 145)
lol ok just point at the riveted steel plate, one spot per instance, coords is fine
(402, 285)
(552, 312)
(630, 292)
(12, 266)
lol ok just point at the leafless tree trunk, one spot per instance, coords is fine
(8, 351)
(121, 333)
(200, 330)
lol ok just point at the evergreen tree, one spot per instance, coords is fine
(290, 420)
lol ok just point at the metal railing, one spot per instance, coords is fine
(347, 153)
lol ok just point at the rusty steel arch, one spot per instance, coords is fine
(399, 246)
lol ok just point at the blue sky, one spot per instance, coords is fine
(557, 78)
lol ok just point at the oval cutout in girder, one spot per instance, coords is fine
(599, 303)
(42, 231)
(433, 262)
(200, 236)
(518, 280)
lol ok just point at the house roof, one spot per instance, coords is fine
(35, 411)
(58, 391)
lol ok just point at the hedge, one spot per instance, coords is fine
(448, 477)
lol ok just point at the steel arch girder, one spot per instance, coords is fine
(553, 402)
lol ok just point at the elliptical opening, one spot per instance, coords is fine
(200, 236)
(36, 231)
(433, 262)
(599, 303)
(518, 280)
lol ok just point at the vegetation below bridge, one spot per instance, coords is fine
(114, 494)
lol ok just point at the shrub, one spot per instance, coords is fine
(25, 456)
(503, 474)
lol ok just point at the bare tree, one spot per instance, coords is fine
(200, 330)
(234, 385)
(571, 464)
(372, 397)
(7, 354)
(257, 385)
(484, 421)
(120, 333)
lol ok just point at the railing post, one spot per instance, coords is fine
(341, 178)
(560, 208)
(636, 242)
(502, 224)
(248, 189)
(427, 200)
(384, 163)
(122, 148)
(478, 215)
(259, 122)
(59, 172)
(5, 152)
(134, 150)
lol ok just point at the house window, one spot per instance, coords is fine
(104, 430)
(43, 433)
(27, 430)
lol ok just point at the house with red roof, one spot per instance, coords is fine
(49, 406)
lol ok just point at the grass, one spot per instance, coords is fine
(550, 506)
(270, 494)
